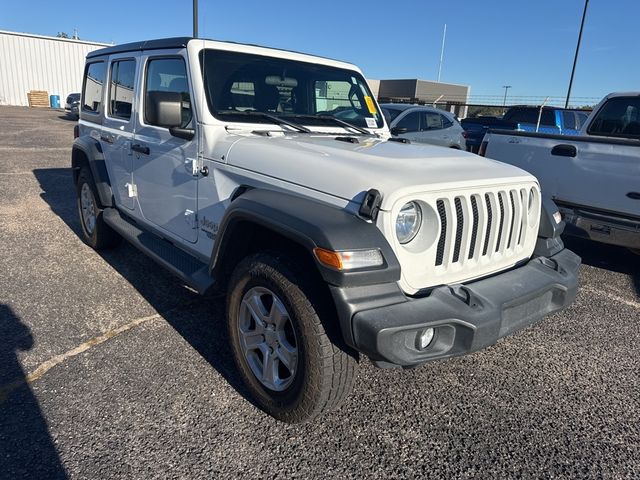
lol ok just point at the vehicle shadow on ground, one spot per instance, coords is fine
(68, 117)
(199, 320)
(608, 257)
(26, 448)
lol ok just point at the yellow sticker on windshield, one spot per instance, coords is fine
(370, 105)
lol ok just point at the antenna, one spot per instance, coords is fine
(195, 18)
(444, 38)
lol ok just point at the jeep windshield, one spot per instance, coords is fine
(239, 85)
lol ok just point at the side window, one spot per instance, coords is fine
(619, 117)
(170, 75)
(243, 95)
(410, 121)
(92, 88)
(333, 95)
(446, 123)
(569, 120)
(432, 121)
(123, 74)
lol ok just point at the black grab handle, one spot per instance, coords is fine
(564, 151)
(634, 195)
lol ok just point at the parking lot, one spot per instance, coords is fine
(111, 368)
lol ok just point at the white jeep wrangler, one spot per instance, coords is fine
(271, 175)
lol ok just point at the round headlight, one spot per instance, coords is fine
(408, 222)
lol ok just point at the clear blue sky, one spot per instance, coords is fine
(490, 43)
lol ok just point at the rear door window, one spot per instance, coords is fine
(93, 87)
(123, 73)
(432, 121)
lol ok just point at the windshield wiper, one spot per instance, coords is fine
(333, 119)
(268, 116)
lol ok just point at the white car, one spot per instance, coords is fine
(271, 175)
(424, 125)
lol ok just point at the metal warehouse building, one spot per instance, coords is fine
(36, 62)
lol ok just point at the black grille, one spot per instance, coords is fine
(443, 232)
(474, 229)
(525, 207)
(489, 222)
(460, 226)
(513, 218)
(501, 222)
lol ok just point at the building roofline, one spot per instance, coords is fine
(58, 39)
(422, 80)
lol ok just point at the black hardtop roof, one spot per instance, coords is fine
(178, 42)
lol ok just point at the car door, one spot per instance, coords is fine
(166, 184)
(118, 127)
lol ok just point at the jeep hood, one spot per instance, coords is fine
(347, 170)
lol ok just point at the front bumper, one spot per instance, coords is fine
(466, 318)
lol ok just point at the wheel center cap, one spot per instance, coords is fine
(270, 337)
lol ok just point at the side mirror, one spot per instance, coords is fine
(163, 109)
(399, 130)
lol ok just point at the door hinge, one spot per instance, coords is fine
(191, 218)
(132, 189)
(194, 165)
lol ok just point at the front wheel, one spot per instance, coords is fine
(281, 346)
(96, 233)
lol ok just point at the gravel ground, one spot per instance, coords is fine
(110, 368)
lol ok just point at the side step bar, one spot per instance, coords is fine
(189, 269)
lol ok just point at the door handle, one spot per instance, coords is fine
(564, 151)
(634, 195)
(136, 147)
(107, 138)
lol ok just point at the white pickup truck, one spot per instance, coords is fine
(594, 177)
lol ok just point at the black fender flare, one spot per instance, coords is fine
(92, 150)
(549, 240)
(310, 224)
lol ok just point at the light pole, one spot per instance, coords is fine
(195, 18)
(575, 59)
(506, 89)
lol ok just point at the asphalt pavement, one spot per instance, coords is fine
(111, 368)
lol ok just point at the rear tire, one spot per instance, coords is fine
(311, 373)
(95, 232)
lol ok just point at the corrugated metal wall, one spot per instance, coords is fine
(32, 62)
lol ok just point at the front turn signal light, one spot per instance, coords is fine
(350, 260)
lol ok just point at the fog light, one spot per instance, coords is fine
(424, 338)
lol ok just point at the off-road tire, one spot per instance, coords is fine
(326, 368)
(102, 236)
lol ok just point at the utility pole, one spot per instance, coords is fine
(444, 38)
(506, 88)
(195, 18)
(575, 59)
